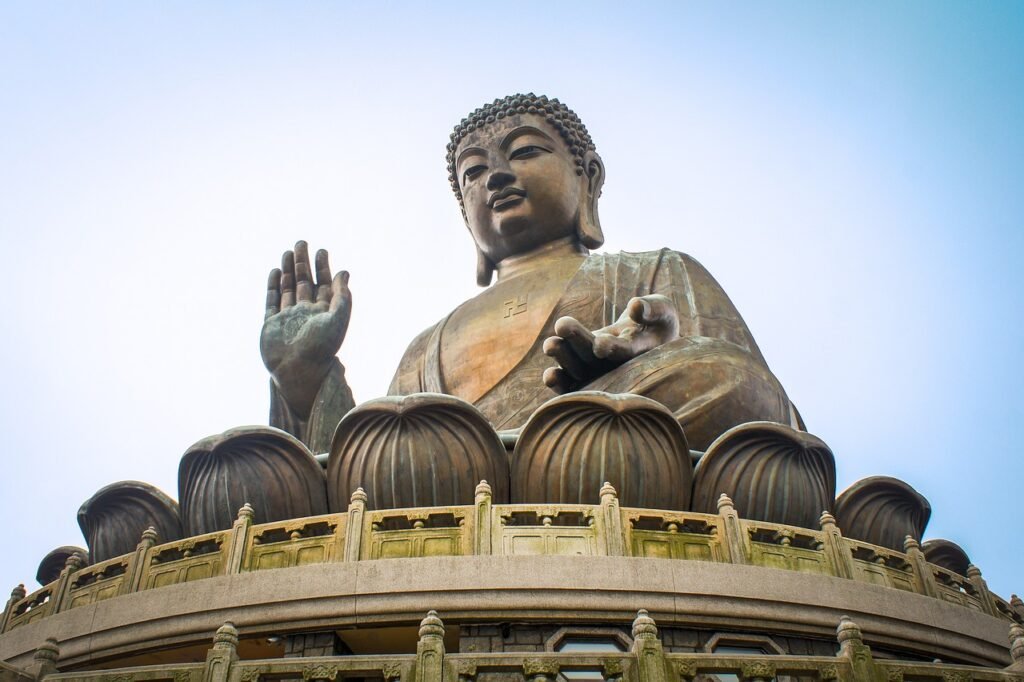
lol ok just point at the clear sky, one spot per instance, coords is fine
(850, 173)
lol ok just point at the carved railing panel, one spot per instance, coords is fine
(32, 607)
(408, 533)
(673, 535)
(186, 560)
(98, 582)
(796, 549)
(313, 540)
(529, 529)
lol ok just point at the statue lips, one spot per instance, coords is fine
(505, 198)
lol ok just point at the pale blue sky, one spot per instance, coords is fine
(851, 174)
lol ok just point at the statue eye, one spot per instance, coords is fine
(528, 151)
(472, 172)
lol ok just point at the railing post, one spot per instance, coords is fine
(482, 520)
(854, 650)
(611, 522)
(539, 670)
(924, 575)
(838, 553)
(735, 535)
(650, 657)
(44, 661)
(223, 655)
(354, 534)
(17, 594)
(64, 583)
(987, 602)
(239, 539)
(139, 561)
(1016, 647)
(430, 649)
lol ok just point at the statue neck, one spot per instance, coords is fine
(541, 258)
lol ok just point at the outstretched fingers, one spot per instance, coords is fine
(273, 293)
(303, 275)
(557, 380)
(562, 352)
(341, 299)
(579, 338)
(323, 277)
(287, 280)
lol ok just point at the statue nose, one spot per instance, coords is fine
(500, 177)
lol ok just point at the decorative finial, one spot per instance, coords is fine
(49, 652)
(150, 535)
(227, 636)
(910, 543)
(827, 519)
(848, 631)
(73, 562)
(973, 571)
(359, 496)
(18, 593)
(724, 501)
(431, 626)
(246, 512)
(607, 490)
(1016, 602)
(644, 626)
(483, 488)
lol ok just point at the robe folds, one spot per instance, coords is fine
(712, 377)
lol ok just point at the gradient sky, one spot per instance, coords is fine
(850, 173)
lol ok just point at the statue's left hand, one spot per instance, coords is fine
(584, 355)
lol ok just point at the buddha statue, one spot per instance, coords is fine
(553, 317)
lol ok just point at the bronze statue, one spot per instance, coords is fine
(558, 319)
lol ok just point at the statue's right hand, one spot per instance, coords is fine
(304, 325)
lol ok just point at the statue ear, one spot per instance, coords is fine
(589, 228)
(484, 268)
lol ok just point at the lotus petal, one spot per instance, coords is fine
(260, 465)
(946, 554)
(576, 442)
(113, 519)
(772, 473)
(424, 449)
(883, 511)
(53, 563)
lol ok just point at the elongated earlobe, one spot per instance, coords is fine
(588, 230)
(484, 268)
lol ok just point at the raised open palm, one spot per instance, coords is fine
(305, 324)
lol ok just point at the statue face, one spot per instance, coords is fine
(519, 186)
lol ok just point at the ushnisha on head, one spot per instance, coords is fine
(526, 173)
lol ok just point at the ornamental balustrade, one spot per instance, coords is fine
(646, 661)
(484, 528)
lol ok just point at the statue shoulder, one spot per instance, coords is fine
(409, 377)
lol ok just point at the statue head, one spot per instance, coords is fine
(526, 173)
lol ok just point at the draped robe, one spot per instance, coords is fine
(712, 377)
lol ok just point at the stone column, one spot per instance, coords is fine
(17, 594)
(853, 649)
(64, 583)
(354, 534)
(735, 535)
(139, 562)
(44, 662)
(1017, 648)
(482, 520)
(239, 539)
(223, 655)
(987, 602)
(430, 649)
(611, 522)
(650, 656)
(835, 547)
(923, 575)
